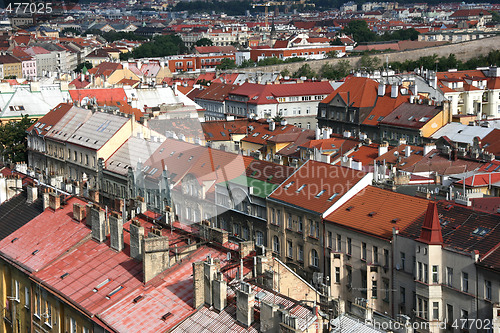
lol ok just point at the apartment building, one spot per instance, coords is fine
(11, 67)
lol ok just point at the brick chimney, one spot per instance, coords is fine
(141, 204)
(116, 232)
(45, 197)
(79, 212)
(245, 300)
(98, 224)
(155, 256)
(54, 201)
(210, 270)
(32, 192)
(219, 292)
(198, 284)
(245, 248)
(269, 319)
(136, 237)
(88, 216)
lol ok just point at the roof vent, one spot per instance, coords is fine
(64, 275)
(166, 316)
(396, 220)
(35, 252)
(349, 208)
(138, 298)
(371, 214)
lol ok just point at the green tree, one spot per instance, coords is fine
(335, 72)
(369, 63)
(360, 31)
(13, 139)
(248, 63)
(495, 16)
(226, 63)
(203, 42)
(305, 71)
(278, 118)
(79, 67)
(336, 41)
(160, 46)
(71, 31)
(285, 72)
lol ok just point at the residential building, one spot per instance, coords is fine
(11, 67)
(213, 100)
(296, 209)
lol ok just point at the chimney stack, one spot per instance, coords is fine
(428, 147)
(88, 216)
(219, 296)
(54, 201)
(245, 248)
(394, 91)
(136, 236)
(45, 198)
(141, 203)
(272, 125)
(98, 223)
(383, 148)
(155, 256)
(116, 232)
(269, 320)
(245, 300)
(79, 212)
(381, 89)
(198, 284)
(32, 192)
(210, 270)
(407, 151)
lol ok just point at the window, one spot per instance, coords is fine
(465, 314)
(278, 217)
(386, 290)
(403, 260)
(312, 228)
(402, 297)
(86, 330)
(72, 325)
(349, 277)
(487, 289)
(349, 246)
(465, 282)
(426, 273)
(449, 313)
(435, 310)
(48, 314)
(420, 271)
(330, 239)
(339, 243)
(374, 288)
(363, 251)
(276, 244)
(314, 258)
(300, 253)
(289, 225)
(301, 224)
(290, 249)
(259, 238)
(375, 255)
(426, 309)
(26, 297)
(16, 290)
(37, 304)
(386, 258)
(449, 276)
(435, 274)
(337, 274)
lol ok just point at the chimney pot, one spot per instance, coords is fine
(116, 232)
(54, 201)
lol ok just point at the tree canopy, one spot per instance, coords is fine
(13, 139)
(203, 42)
(160, 46)
(226, 63)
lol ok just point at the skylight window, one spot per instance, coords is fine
(255, 134)
(320, 193)
(301, 188)
(424, 119)
(380, 118)
(334, 195)
(190, 158)
(480, 231)
(172, 153)
(146, 168)
(287, 186)
(114, 292)
(371, 117)
(102, 284)
(411, 118)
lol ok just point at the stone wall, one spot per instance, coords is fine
(463, 51)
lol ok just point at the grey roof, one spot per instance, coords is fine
(16, 212)
(457, 132)
(69, 123)
(130, 153)
(97, 130)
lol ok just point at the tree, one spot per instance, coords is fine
(285, 72)
(71, 31)
(369, 63)
(85, 64)
(160, 46)
(248, 63)
(305, 71)
(278, 118)
(204, 42)
(13, 139)
(226, 63)
(335, 72)
(360, 31)
(336, 41)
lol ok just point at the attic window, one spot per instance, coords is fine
(411, 118)
(424, 119)
(380, 118)
(480, 231)
(172, 153)
(146, 168)
(448, 207)
(371, 117)
(287, 185)
(371, 214)
(180, 155)
(35, 252)
(395, 220)
(255, 134)
(64, 275)
(114, 292)
(12, 241)
(152, 172)
(102, 284)
(190, 158)
(222, 133)
(301, 188)
(138, 298)
(333, 196)
(349, 208)
(320, 193)
(210, 135)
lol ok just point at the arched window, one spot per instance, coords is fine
(276, 244)
(314, 258)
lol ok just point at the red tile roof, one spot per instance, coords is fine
(356, 91)
(104, 95)
(50, 119)
(384, 106)
(376, 211)
(431, 228)
(221, 130)
(304, 188)
(33, 245)
(216, 92)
